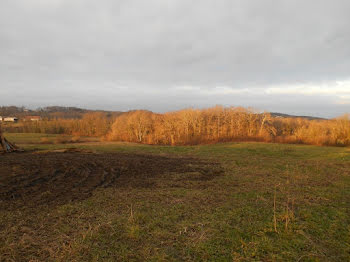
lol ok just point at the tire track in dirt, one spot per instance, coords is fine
(57, 178)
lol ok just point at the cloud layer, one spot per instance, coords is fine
(290, 56)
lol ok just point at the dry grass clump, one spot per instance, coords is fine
(45, 140)
(67, 139)
(62, 140)
(76, 139)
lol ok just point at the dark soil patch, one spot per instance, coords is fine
(57, 178)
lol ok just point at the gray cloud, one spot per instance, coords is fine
(140, 54)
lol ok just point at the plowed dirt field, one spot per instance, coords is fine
(56, 178)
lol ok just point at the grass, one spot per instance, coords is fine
(230, 218)
(35, 138)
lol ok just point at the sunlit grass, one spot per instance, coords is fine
(230, 218)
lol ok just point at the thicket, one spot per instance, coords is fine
(221, 124)
(195, 126)
(91, 124)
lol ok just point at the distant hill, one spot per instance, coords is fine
(51, 112)
(281, 115)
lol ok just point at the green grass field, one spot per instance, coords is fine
(274, 202)
(36, 138)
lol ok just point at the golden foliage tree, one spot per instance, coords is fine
(218, 124)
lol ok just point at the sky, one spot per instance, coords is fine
(288, 56)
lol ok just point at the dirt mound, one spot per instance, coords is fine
(56, 178)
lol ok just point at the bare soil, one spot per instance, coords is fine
(29, 179)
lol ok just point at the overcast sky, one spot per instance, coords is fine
(284, 56)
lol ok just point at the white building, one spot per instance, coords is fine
(10, 119)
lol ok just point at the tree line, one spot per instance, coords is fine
(222, 124)
(91, 124)
(51, 112)
(196, 126)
